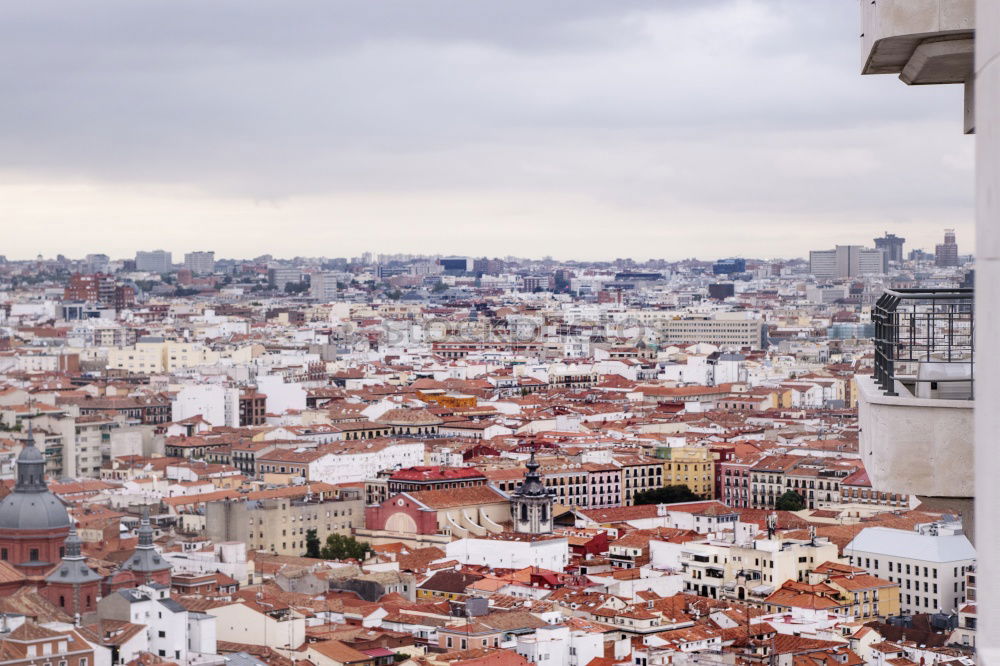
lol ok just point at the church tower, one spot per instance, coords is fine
(146, 562)
(73, 586)
(531, 504)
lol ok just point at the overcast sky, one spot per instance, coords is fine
(587, 129)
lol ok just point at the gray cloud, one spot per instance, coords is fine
(650, 110)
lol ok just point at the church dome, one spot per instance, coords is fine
(32, 506)
(32, 511)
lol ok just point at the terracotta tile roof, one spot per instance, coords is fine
(452, 497)
(339, 652)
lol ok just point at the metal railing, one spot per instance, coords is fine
(924, 340)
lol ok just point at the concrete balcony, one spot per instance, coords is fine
(916, 411)
(923, 41)
(919, 446)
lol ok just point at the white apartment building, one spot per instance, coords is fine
(323, 286)
(929, 563)
(154, 354)
(172, 632)
(846, 261)
(219, 405)
(545, 553)
(361, 460)
(200, 263)
(560, 645)
(745, 568)
(72, 444)
(156, 261)
(728, 332)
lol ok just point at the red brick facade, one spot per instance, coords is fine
(376, 517)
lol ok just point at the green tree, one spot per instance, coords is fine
(312, 544)
(665, 495)
(340, 547)
(439, 287)
(790, 501)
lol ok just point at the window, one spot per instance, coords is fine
(162, 634)
(33, 555)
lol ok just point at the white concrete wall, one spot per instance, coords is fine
(218, 405)
(919, 446)
(987, 421)
(552, 554)
(281, 396)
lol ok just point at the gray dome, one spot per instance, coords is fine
(32, 511)
(31, 454)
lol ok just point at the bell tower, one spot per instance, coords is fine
(531, 503)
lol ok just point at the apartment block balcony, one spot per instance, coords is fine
(923, 41)
(916, 411)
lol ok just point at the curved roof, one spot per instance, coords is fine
(32, 511)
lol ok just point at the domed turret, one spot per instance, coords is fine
(33, 521)
(31, 506)
(531, 504)
(146, 560)
(72, 585)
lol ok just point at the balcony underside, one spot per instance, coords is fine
(919, 446)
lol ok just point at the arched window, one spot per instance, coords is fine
(545, 511)
(524, 511)
(62, 601)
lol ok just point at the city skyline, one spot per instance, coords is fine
(590, 134)
(164, 259)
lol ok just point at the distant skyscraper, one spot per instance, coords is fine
(323, 286)
(892, 245)
(97, 263)
(157, 261)
(846, 261)
(200, 263)
(946, 253)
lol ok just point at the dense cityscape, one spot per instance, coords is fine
(500, 334)
(434, 460)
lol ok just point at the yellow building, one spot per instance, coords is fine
(447, 399)
(868, 597)
(155, 354)
(691, 466)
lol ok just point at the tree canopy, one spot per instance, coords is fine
(312, 544)
(790, 501)
(340, 547)
(665, 495)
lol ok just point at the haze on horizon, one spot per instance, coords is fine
(580, 129)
